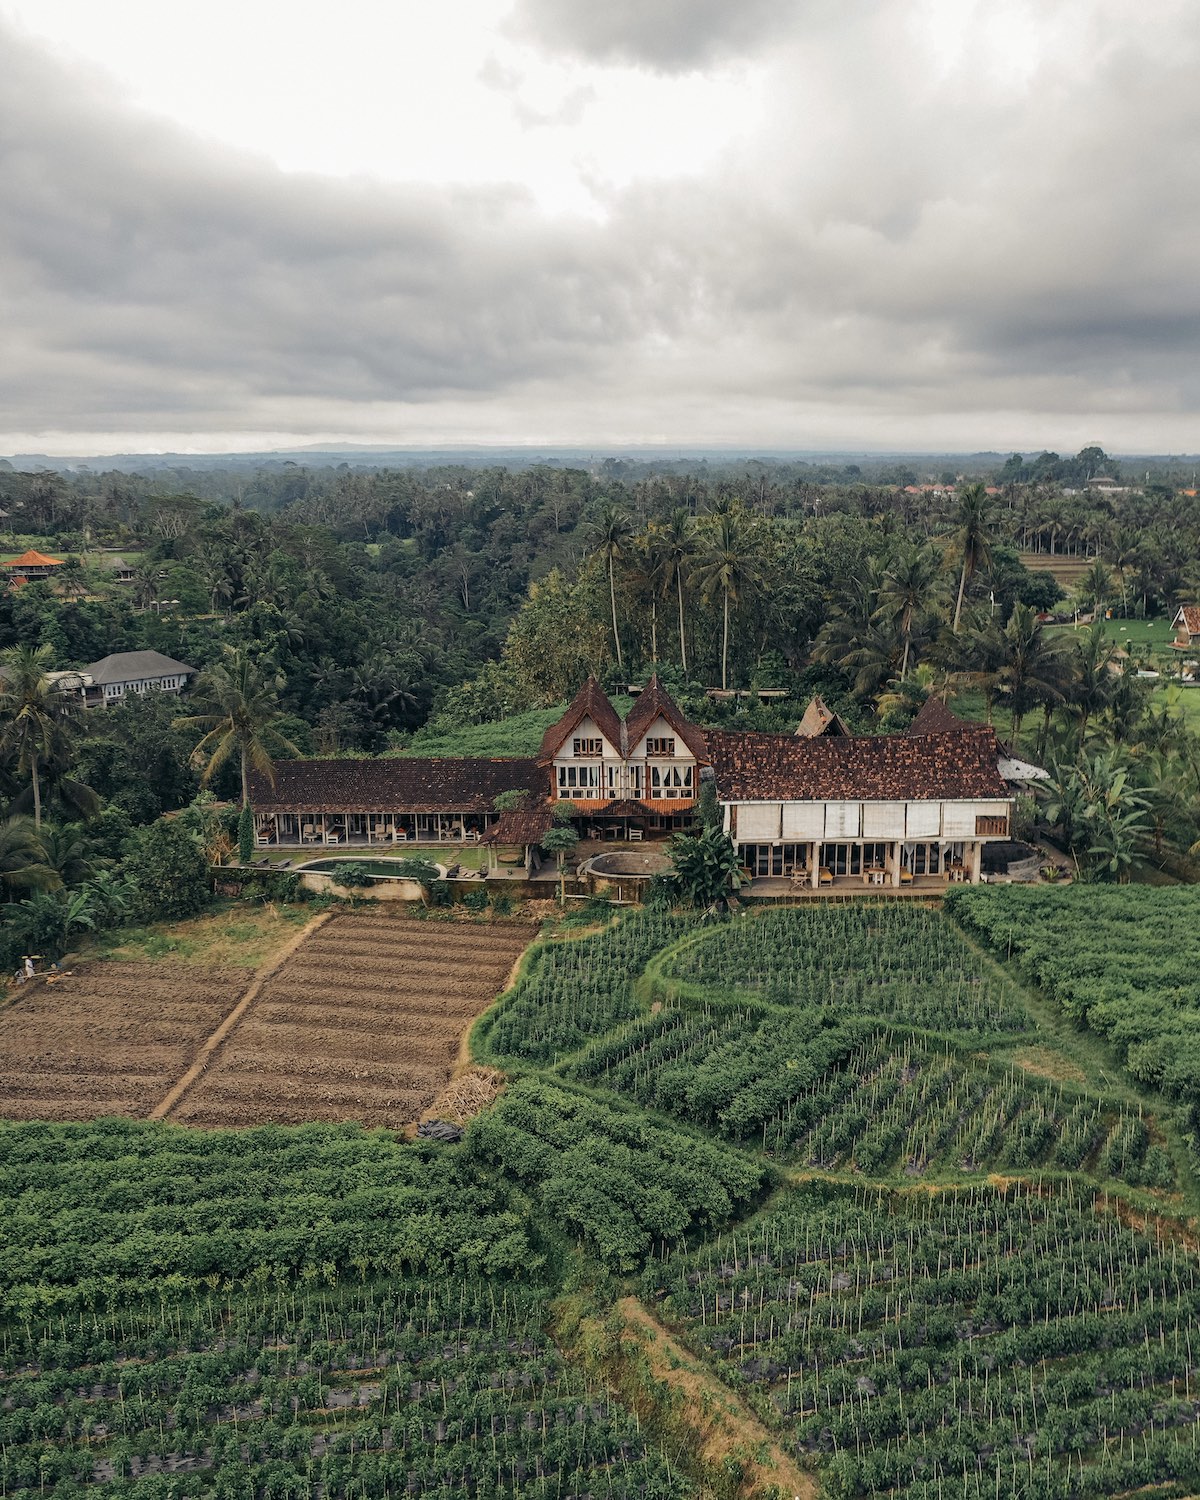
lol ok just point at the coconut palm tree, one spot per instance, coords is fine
(1095, 587)
(653, 568)
(1033, 669)
(910, 589)
(23, 864)
(614, 532)
(679, 548)
(35, 714)
(729, 565)
(1094, 677)
(973, 539)
(239, 713)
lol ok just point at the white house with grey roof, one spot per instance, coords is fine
(116, 677)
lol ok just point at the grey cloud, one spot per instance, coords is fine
(893, 257)
(669, 36)
(141, 271)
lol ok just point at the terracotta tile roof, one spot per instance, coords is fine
(623, 807)
(32, 559)
(1190, 615)
(589, 702)
(818, 718)
(650, 703)
(752, 767)
(934, 717)
(521, 826)
(393, 784)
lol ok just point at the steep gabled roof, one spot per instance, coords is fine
(654, 702)
(590, 701)
(133, 666)
(818, 718)
(1190, 615)
(521, 826)
(393, 784)
(934, 717)
(32, 559)
(752, 767)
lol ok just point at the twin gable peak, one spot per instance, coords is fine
(591, 702)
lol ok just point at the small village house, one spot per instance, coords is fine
(1186, 625)
(127, 673)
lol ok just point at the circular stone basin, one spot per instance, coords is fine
(1011, 857)
(629, 864)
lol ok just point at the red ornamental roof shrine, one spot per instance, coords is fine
(32, 559)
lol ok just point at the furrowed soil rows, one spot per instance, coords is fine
(362, 1023)
(107, 1038)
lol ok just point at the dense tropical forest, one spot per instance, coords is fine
(373, 611)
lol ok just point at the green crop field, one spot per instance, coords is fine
(908, 1193)
(982, 1342)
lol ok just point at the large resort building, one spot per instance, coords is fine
(821, 807)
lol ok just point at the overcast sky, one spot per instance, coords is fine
(893, 224)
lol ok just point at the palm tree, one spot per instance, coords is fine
(653, 566)
(910, 587)
(1094, 679)
(613, 533)
(23, 865)
(239, 712)
(729, 565)
(34, 712)
(1096, 585)
(67, 853)
(679, 547)
(1033, 669)
(974, 539)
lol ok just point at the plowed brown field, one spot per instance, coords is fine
(362, 1023)
(108, 1038)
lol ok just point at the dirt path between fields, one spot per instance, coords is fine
(724, 1425)
(165, 1105)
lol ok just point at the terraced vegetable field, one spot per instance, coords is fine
(850, 1095)
(972, 1343)
(804, 1138)
(901, 961)
(107, 1038)
(439, 1389)
(362, 1022)
(577, 988)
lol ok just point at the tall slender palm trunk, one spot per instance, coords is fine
(682, 637)
(612, 597)
(37, 793)
(725, 646)
(962, 588)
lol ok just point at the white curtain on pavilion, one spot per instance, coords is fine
(924, 820)
(843, 820)
(803, 820)
(758, 822)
